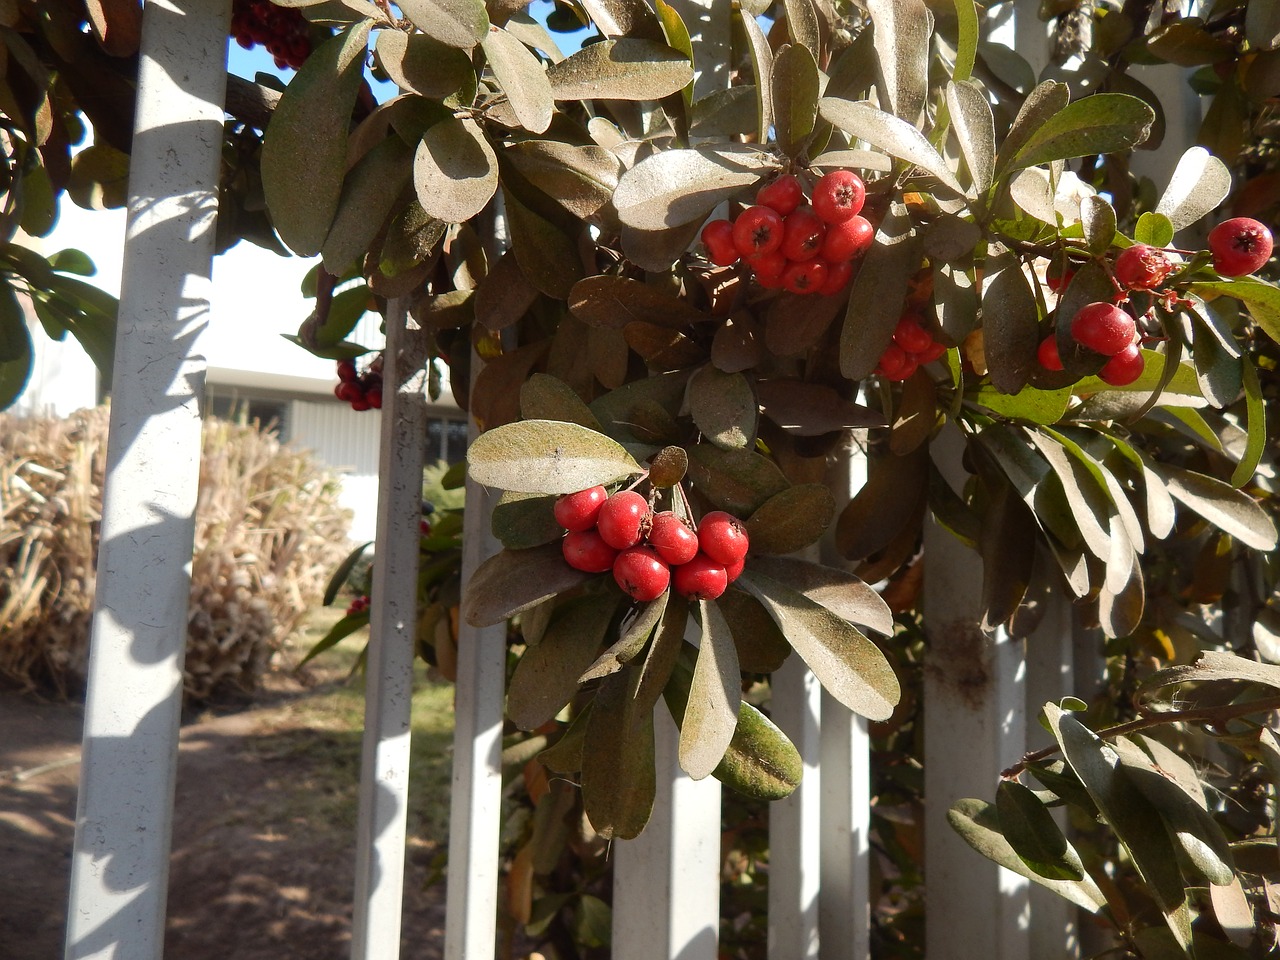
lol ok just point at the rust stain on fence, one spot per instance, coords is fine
(959, 659)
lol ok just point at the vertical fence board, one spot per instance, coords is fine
(384, 768)
(973, 727)
(120, 860)
(794, 822)
(666, 882)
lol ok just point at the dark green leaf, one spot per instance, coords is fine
(623, 69)
(1102, 123)
(515, 580)
(636, 631)
(524, 520)
(739, 481)
(547, 675)
(795, 97)
(15, 373)
(613, 302)
(1010, 322)
(1034, 835)
(422, 64)
(618, 777)
(711, 713)
(339, 576)
(337, 633)
(304, 149)
(548, 258)
(368, 193)
(791, 520)
(1044, 102)
(1256, 418)
(580, 178)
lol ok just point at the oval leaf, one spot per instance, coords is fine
(515, 580)
(842, 593)
(724, 408)
(1102, 123)
(675, 187)
(619, 781)
(456, 23)
(622, 69)
(791, 520)
(522, 79)
(865, 122)
(795, 97)
(1033, 833)
(455, 171)
(547, 456)
(1199, 184)
(547, 675)
(711, 714)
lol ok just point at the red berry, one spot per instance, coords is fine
(623, 518)
(1103, 327)
(347, 371)
(734, 570)
(931, 353)
(585, 550)
(373, 396)
(1058, 277)
(896, 363)
(783, 194)
(806, 276)
(838, 275)
(673, 538)
(757, 230)
(802, 235)
(770, 281)
(1123, 368)
(701, 578)
(1047, 353)
(641, 573)
(1141, 267)
(848, 239)
(769, 264)
(578, 511)
(723, 537)
(360, 404)
(1240, 246)
(838, 196)
(348, 391)
(717, 237)
(910, 336)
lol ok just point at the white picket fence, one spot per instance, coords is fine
(666, 882)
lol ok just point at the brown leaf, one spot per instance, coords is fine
(504, 296)
(613, 302)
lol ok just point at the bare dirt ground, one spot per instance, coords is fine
(263, 839)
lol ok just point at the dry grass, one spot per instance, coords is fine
(268, 533)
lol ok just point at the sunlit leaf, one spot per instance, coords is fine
(675, 187)
(455, 171)
(623, 69)
(895, 136)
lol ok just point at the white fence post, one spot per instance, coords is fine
(384, 767)
(120, 861)
(973, 727)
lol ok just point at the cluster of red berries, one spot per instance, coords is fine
(359, 605)
(649, 551)
(282, 30)
(1239, 247)
(362, 390)
(788, 244)
(912, 346)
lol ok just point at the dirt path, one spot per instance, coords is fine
(257, 873)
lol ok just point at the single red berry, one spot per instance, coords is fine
(910, 336)
(641, 573)
(717, 237)
(802, 235)
(360, 404)
(734, 570)
(347, 391)
(1058, 277)
(701, 578)
(578, 511)
(838, 196)
(373, 396)
(804, 276)
(1123, 368)
(673, 538)
(838, 275)
(1103, 327)
(769, 264)
(848, 239)
(1141, 267)
(757, 230)
(1047, 353)
(896, 363)
(347, 371)
(723, 537)
(1240, 246)
(783, 194)
(931, 353)
(623, 519)
(585, 550)
(424, 528)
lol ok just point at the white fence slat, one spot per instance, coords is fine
(476, 804)
(666, 882)
(973, 728)
(795, 822)
(384, 766)
(120, 860)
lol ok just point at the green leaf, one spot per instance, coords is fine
(74, 261)
(791, 520)
(848, 665)
(15, 340)
(304, 149)
(456, 23)
(1227, 508)
(636, 630)
(974, 125)
(1262, 299)
(1153, 229)
(664, 652)
(675, 187)
(762, 67)
(1030, 404)
(522, 78)
(579, 178)
(422, 64)
(622, 69)
(618, 777)
(901, 39)
(1102, 123)
(711, 714)
(455, 171)
(1098, 222)
(1215, 665)
(1187, 43)
(795, 97)
(739, 481)
(337, 633)
(879, 291)
(967, 44)
(368, 193)
(547, 456)
(339, 576)
(677, 36)
(547, 675)
(1034, 835)
(842, 593)
(802, 25)
(15, 373)
(864, 121)
(1010, 321)
(1043, 103)
(100, 176)
(978, 823)
(1256, 418)
(1007, 556)
(761, 646)
(724, 408)
(515, 580)
(524, 520)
